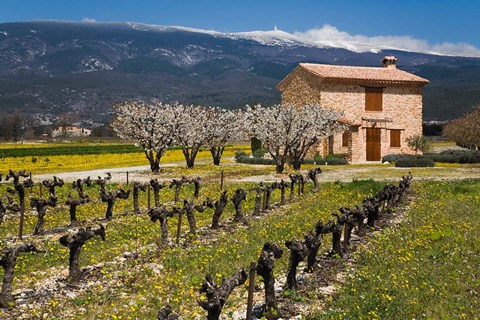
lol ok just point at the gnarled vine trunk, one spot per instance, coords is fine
(265, 266)
(8, 260)
(74, 243)
(217, 296)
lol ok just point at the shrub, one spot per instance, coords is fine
(334, 156)
(259, 153)
(464, 156)
(414, 162)
(255, 144)
(336, 161)
(446, 158)
(395, 157)
(246, 159)
(418, 143)
(240, 154)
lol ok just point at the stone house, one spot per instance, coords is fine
(71, 132)
(382, 105)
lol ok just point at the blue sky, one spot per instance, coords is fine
(435, 21)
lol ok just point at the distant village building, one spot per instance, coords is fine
(382, 105)
(71, 132)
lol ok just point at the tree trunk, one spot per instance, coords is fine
(190, 155)
(268, 195)
(74, 267)
(160, 213)
(8, 260)
(313, 244)
(196, 184)
(312, 174)
(156, 186)
(283, 185)
(166, 314)
(298, 252)
(239, 196)
(137, 186)
(293, 181)
(188, 208)
(73, 215)
(297, 163)
(336, 236)
(74, 243)
(216, 154)
(219, 207)
(280, 166)
(265, 266)
(39, 226)
(217, 296)
(177, 183)
(109, 213)
(164, 229)
(154, 161)
(258, 201)
(6, 299)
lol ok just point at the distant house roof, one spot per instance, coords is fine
(359, 75)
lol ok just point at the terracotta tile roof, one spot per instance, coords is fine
(362, 73)
(348, 74)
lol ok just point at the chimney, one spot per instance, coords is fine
(389, 62)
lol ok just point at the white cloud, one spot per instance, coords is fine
(89, 20)
(331, 35)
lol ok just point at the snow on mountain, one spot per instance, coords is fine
(277, 37)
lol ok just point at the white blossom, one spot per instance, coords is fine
(288, 131)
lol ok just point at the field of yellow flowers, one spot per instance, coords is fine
(67, 163)
(424, 266)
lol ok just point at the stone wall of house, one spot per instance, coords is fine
(301, 88)
(402, 107)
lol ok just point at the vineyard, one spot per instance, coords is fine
(145, 248)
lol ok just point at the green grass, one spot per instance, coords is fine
(220, 253)
(435, 247)
(68, 150)
(424, 268)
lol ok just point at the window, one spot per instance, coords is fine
(395, 138)
(345, 137)
(373, 99)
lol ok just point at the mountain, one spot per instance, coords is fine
(50, 68)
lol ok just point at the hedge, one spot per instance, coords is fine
(395, 157)
(447, 156)
(333, 161)
(414, 162)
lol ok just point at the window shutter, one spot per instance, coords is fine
(373, 99)
(395, 138)
(345, 137)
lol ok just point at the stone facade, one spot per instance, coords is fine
(401, 110)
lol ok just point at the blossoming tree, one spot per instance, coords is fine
(226, 125)
(288, 131)
(150, 124)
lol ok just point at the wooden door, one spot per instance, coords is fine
(373, 144)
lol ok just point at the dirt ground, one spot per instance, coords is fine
(377, 172)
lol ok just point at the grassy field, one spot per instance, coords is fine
(182, 267)
(424, 266)
(55, 159)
